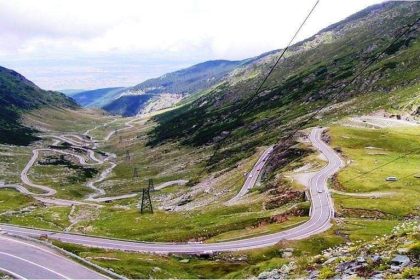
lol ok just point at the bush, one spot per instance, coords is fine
(411, 272)
(326, 273)
(414, 250)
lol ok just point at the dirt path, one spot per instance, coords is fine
(379, 122)
(368, 194)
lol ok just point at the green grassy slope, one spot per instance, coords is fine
(235, 122)
(18, 95)
(369, 149)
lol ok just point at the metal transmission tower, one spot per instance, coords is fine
(151, 185)
(146, 202)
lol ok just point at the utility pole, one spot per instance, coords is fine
(146, 202)
(127, 155)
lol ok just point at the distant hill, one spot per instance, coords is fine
(70, 92)
(186, 81)
(18, 95)
(189, 80)
(97, 98)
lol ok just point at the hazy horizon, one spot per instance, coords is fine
(60, 45)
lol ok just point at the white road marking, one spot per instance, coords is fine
(35, 264)
(14, 274)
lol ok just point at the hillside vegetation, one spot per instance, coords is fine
(235, 121)
(18, 95)
(200, 154)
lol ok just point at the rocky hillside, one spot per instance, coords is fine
(128, 105)
(393, 256)
(313, 72)
(189, 80)
(183, 82)
(18, 95)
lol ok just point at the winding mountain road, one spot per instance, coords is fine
(320, 216)
(79, 143)
(252, 176)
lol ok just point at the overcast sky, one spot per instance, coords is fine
(61, 44)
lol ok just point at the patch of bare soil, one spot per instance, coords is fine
(81, 213)
(283, 195)
(283, 217)
(326, 137)
(336, 183)
(210, 190)
(361, 213)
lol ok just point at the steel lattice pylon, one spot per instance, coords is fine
(146, 201)
(151, 185)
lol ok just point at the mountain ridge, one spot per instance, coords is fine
(186, 81)
(19, 95)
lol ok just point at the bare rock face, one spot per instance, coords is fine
(326, 137)
(416, 112)
(281, 273)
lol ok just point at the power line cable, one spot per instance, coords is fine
(249, 100)
(281, 56)
(355, 77)
(382, 165)
(408, 28)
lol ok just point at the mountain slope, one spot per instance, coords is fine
(312, 73)
(186, 81)
(128, 105)
(71, 92)
(18, 95)
(97, 98)
(189, 80)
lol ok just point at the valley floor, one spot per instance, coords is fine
(98, 166)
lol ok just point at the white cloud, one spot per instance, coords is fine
(191, 30)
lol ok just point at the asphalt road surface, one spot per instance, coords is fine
(321, 213)
(252, 176)
(29, 260)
